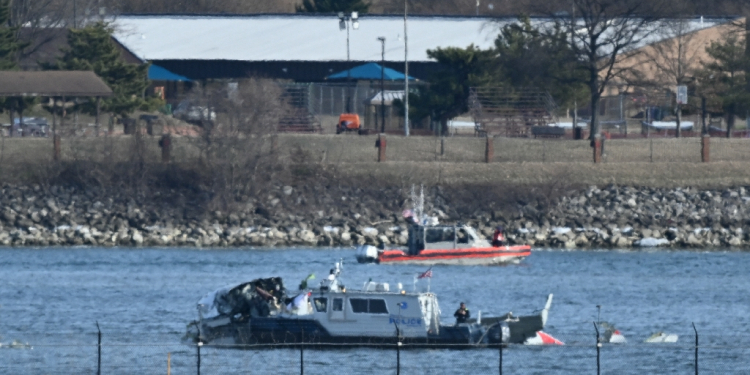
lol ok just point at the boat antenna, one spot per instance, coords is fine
(417, 203)
(421, 200)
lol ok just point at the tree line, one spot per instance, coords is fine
(578, 56)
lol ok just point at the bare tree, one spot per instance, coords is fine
(599, 32)
(673, 61)
(236, 156)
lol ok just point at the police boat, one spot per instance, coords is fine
(262, 312)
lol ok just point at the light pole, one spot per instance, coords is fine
(406, 74)
(382, 83)
(344, 21)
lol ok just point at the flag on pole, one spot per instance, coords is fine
(426, 274)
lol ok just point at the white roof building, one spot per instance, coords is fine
(293, 37)
(300, 46)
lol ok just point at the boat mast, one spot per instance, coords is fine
(418, 203)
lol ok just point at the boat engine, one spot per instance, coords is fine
(367, 254)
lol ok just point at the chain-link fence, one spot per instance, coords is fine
(120, 353)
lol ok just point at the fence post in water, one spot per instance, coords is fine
(696, 349)
(169, 363)
(198, 347)
(398, 352)
(501, 358)
(99, 353)
(489, 150)
(598, 348)
(705, 146)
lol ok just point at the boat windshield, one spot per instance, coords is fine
(439, 234)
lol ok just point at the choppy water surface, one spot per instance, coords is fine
(143, 298)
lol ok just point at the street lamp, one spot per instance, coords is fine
(344, 20)
(382, 83)
(406, 76)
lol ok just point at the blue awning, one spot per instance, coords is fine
(369, 71)
(157, 73)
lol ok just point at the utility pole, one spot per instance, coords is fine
(406, 74)
(344, 21)
(382, 83)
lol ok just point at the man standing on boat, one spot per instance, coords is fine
(462, 314)
(498, 239)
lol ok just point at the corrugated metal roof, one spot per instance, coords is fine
(297, 37)
(294, 37)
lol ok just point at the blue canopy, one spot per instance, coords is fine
(370, 71)
(157, 73)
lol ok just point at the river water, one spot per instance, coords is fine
(52, 299)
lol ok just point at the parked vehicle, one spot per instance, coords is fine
(188, 112)
(31, 127)
(348, 122)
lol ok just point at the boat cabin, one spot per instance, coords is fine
(443, 237)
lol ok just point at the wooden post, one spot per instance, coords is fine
(705, 152)
(489, 149)
(166, 147)
(56, 146)
(12, 123)
(98, 108)
(597, 149)
(381, 147)
(169, 363)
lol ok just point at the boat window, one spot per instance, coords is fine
(338, 304)
(433, 235)
(439, 235)
(448, 235)
(377, 306)
(463, 236)
(368, 306)
(321, 304)
(359, 305)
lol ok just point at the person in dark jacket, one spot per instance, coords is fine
(462, 314)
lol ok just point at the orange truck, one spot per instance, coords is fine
(348, 122)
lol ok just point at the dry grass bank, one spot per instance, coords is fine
(653, 162)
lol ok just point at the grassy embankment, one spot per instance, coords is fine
(522, 162)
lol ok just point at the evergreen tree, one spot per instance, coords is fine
(448, 92)
(723, 78)
(528, 57)
(333, 6)
(92, 48)
(10, 47)
(9, 44)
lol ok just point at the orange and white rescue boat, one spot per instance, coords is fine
(444, 244)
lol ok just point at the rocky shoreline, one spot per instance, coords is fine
(608, 217)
